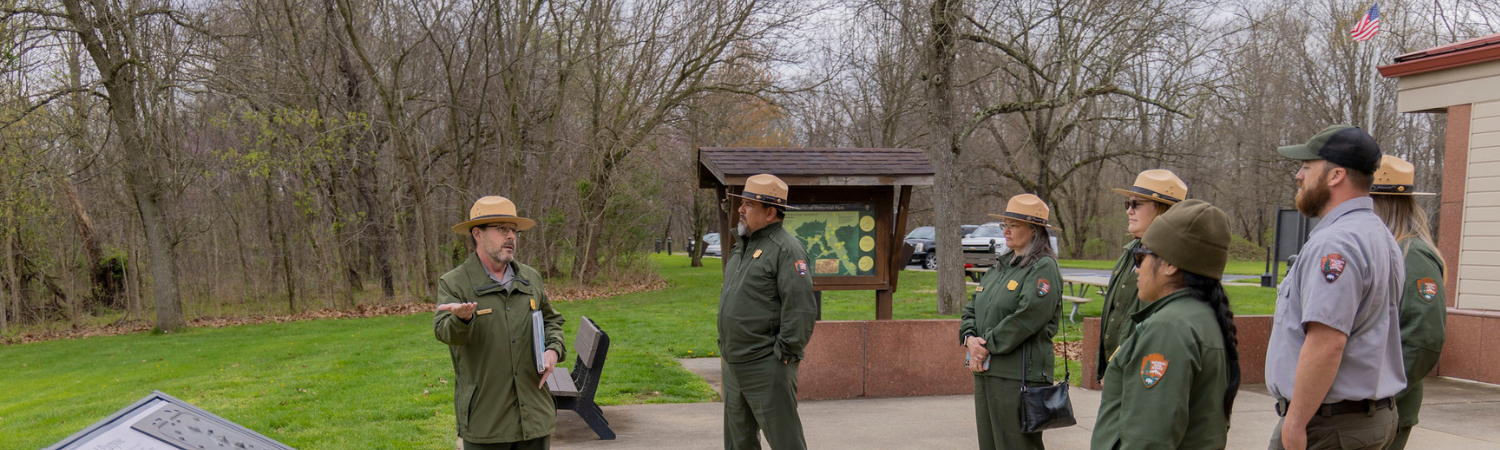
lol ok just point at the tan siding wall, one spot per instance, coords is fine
(1479, 261)
(1445, 88)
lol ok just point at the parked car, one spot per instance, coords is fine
(713, 245)
(924, 245)
(978, 242)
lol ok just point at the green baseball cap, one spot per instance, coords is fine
(1344, 145)
(1193, 235)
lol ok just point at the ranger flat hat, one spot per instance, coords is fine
(493, 209)
(766, 188)
(1395, 177)
(1160, 185)
(1026, 208)
(1340, 144)
(1194, 236)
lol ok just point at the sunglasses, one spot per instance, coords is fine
(1134, 204)
(1140, 255)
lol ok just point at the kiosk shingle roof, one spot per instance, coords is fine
(815, 166)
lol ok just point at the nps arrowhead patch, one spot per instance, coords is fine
(801, 268)
(1333, 266)
(1153, 368)
(1427, 288)
(1043, 287)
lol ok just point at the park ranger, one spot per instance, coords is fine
(1154, 192)
(500, 399)
(1012, 318)
(1423, 303)
(1334, 358)
(766, 315)
(1173, 381)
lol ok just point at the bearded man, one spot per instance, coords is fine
(500, 398)
(1334, 360)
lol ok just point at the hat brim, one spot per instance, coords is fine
(1403, 193)
(1001, 217)
(1298, 152)
(1128, 193)
(522, 223)
(759, 201)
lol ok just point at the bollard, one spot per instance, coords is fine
(669, 246)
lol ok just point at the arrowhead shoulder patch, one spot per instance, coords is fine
(1043, 287)
(1153, 368)
(1333, 266)
(1427, 288)
(801, 268)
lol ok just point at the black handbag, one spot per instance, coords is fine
(1044, 408)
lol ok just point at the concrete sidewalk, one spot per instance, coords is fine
(1456, 415)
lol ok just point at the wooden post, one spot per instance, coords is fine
(898, 236)
(883, 304)
(725, 241)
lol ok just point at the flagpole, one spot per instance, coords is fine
(1374, 82)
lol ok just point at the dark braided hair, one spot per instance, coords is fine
(1210, 291)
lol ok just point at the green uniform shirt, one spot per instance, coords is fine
(766, 306)
(495, 397)
(1120, 302)
(1424, 310)
(1016, 306)
(1164, 389)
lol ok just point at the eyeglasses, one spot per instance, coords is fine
(504, 229)
(1140, 255)
(1134, 204)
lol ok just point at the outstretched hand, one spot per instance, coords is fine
(464, 311)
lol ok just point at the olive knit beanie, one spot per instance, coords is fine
(1194, 236)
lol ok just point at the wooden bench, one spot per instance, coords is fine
(972, 261)
(1075, 301)
(575, 391)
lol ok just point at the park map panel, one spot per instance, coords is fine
(839, 237)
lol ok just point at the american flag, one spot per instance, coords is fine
(1367, 26)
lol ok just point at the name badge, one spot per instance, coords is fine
(483, 312)
(979, 289)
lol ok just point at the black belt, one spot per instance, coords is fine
(1344, 407)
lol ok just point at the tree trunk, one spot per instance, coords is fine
(945, 148)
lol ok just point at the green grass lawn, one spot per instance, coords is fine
(334, 384)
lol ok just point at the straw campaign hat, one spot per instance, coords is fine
(1395, 177)
(1026, 208)
(766, 188)
(493, 209)
(1160, 185)
(1194, 236)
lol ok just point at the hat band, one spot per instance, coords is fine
(1025, 218)
(1392, 188)
(765, 198)
(490, 216)
(1154, 194)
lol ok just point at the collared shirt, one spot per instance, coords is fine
(766, 306)
(1120, 301)
(1165, 387)
(1349, 277)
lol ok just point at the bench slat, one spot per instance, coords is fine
(1079, 300)
(587, 341)
(561, 383)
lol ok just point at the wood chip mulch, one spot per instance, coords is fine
(1071, 350)
(562, 294)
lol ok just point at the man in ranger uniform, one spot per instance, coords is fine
(766, 315)
(500, 399)
(1334, 359)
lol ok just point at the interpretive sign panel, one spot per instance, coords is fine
(162, 422)
(839, 237)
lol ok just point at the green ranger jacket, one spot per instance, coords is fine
(1120, 302)
(1164, 389)
(495, 397)
(766, 306)
(1016, 308)
(1424, 309)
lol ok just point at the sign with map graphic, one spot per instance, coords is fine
(839, 237)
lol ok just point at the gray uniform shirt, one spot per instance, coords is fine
(1349, 277)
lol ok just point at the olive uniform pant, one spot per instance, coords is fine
(1352, 431)
(761, 395)
(541, 443)
(997, 409)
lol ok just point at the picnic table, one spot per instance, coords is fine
(1077, 286)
